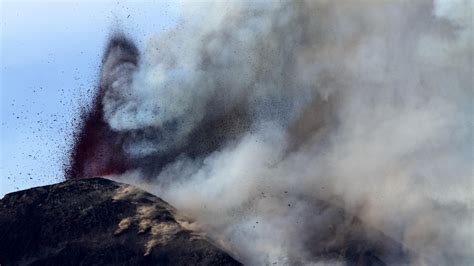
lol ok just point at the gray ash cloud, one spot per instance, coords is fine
(248, 114)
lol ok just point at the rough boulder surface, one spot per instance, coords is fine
(97, 222)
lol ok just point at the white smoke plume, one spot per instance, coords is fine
(365, 105)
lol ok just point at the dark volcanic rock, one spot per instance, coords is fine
(97, 222)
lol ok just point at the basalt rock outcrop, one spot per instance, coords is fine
(96, 221)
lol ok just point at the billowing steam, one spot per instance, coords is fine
(263, 120)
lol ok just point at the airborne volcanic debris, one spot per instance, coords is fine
(98, 149)
(361, 110)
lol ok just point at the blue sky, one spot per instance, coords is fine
(50, 59)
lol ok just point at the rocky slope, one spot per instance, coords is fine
(97, 222)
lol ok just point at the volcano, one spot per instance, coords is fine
(96, 221)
